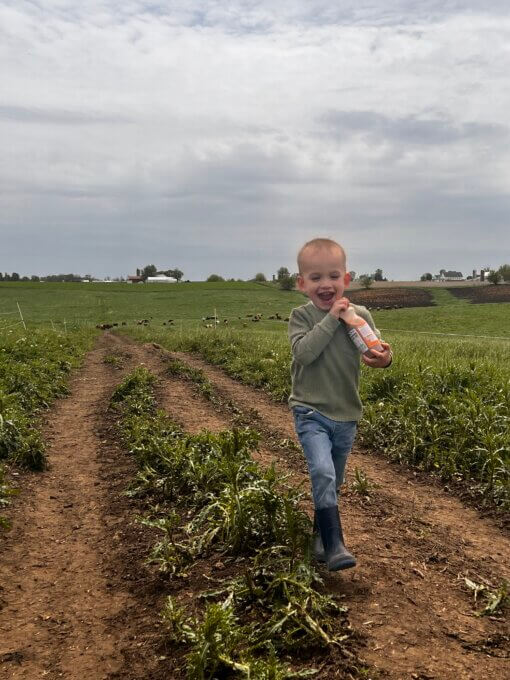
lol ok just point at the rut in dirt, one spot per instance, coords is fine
(413, 541)
(64, 583)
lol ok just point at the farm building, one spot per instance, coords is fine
(161, 278)
(134, 279)
(448, 276)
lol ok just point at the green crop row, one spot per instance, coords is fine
(443, 406)
(33, 371)
(212, 501)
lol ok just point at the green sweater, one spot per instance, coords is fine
(325, 363)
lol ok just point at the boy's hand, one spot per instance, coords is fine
(379, 359)
(339, 306)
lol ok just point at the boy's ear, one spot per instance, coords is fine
(347, 279)
(300, 282)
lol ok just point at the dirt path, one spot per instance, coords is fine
(413, 542)
(64, 581)
(77, 602)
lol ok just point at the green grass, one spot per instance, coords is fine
(463, 319)
(34, 367)
(187, 303)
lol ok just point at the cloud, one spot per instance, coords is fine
(21, 114)
(192, 131)
(410, 129)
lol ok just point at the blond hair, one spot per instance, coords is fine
(320, 244)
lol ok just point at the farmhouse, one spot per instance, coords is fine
(134, 279)
(448, 276)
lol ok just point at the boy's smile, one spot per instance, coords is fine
(323, 277)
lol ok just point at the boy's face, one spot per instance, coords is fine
(323, 277)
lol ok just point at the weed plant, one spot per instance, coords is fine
(443, 406)
(33, 371)
(177, 368)
(221, 499)
(496, 599)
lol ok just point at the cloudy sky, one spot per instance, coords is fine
(218, 136)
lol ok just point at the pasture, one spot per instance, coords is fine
(186, 304)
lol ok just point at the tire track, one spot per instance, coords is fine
(63, 581)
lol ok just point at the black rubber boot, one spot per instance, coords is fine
(337, 555)
(317, 544)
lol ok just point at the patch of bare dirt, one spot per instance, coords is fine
(479, 294)
(392, 298)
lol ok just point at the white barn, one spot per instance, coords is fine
(161, 278)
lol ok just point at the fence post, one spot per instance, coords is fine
(21, 316)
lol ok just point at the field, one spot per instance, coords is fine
(499, 293)
(202, 569)
(392, 297)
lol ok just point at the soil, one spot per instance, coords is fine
(78, 601)
(391, 298)
(477, 295)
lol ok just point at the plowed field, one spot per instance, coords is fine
(499, 293)
(391, 298)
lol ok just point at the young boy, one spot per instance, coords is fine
(325, 399)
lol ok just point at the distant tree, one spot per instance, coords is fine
(173, 273)
(366, 280)
(138, 272)
(15, 276)
(494, 277)
(288, 282)
(7, 277)
(504, 270)
(426, 277)
(177, 274)
(378, 275)
(1, 276)
(283, 273)
(260, 277)
(149, 270)
(352, 274)
(213, 278)
(59, 278)
(25, 278)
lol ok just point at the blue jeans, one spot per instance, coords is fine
(326, 444)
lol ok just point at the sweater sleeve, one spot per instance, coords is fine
(307, 341)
